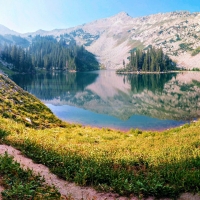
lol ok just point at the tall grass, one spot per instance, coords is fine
(140, 163)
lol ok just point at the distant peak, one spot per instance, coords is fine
(123, 14)
(4, 30)
(40, 30)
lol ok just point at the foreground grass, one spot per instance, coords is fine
(23, 185)
(156, 164)
(140, 163)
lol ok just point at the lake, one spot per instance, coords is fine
(106, 99)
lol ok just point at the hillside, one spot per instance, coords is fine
(112, 38)
(46, 53)
(6, 31)
(24, 108)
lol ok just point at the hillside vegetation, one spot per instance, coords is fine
(48, 54)
(22, 184)
(143, 163)
(22, 107)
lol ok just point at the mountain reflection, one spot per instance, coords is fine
(161, 96)
(48, 86)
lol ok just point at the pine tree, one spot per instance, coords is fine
(151, 60)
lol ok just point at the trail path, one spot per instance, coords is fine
(1, 190)
(69, 189)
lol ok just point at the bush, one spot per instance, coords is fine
(196, 51)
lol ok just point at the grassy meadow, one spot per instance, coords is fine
(142, 163)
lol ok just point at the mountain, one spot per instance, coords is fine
(6, 31)
(14, 39)
(111, 39)
(11, 37)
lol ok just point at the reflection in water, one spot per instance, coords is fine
(48, 86)
(118, 101)
(150, 82)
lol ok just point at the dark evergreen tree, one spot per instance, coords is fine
(150, 60)
(49, 54)
(19, 57)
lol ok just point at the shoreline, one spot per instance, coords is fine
(124, 130)
(137, 72)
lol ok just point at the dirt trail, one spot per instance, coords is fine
(1, 190)
(65, 188)
(69, 189)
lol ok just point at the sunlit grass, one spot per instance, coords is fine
(147, 163)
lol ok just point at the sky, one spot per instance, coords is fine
(31, 15)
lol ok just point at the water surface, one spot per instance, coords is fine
(105, 99)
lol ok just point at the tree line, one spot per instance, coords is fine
(49, 54)
(149, 60)
(19, 57)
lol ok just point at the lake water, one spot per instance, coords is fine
(105, 99)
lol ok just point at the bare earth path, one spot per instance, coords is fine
(65, 188)
(1, 190)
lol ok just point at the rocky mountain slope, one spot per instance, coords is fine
(111, 39)
(11, 37)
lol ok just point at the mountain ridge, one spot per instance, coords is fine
(111, 39)
(5, 31)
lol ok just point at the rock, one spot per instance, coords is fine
(28, 120)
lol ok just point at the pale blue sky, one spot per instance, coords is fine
(31, 15)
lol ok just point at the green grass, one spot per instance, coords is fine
(142, 163)
(21, 184)
(136, 44)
